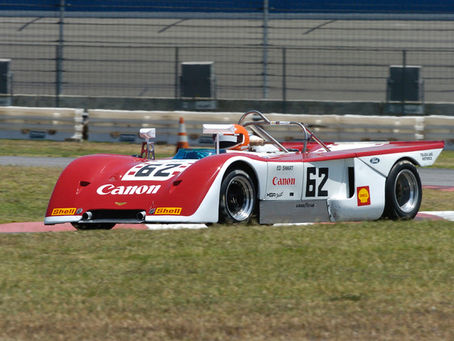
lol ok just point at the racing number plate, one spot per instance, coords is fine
(155, 171)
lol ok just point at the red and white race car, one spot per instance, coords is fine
(249, 175)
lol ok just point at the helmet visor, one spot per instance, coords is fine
(229, 141)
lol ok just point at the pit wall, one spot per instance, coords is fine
(292, 107)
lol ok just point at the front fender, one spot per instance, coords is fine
(197, 189)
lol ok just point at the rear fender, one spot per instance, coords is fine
(368, 200)
(384, 162)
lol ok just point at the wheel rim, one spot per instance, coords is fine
(406, 190)
(239, 198)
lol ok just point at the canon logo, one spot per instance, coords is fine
(283, 181)
(127, 190)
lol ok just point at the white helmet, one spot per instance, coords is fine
(236, 141)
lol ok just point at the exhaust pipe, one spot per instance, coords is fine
(141, 215)
(87, 215)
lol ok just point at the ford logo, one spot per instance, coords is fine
(374, 160)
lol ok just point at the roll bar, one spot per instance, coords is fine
(259, 120)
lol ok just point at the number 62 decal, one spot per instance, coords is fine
(155, 171)
(315, 180)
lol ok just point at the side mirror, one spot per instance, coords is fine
(147, 133)
(147, 146)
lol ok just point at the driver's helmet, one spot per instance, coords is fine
(237, 141)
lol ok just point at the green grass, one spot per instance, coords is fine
(25, 192)
(73, 149)
(379, 280)
(445, 160)
(375, 280)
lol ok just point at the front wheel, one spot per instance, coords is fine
(403, 192)
(238, 198)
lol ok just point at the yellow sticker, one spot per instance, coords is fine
(63, 211)
(168, 210)
(363, 194)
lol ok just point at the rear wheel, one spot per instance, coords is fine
(403, 192)
(238, 198)
(84, 227)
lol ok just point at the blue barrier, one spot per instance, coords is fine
(236, 6)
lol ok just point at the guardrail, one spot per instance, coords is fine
(57, 124)
(123, 126)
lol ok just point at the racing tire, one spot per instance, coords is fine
(238, 198)
(85, 227)
(403, 192)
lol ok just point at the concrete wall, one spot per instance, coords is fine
(290, 107)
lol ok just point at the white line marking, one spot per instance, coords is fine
(175, 226)
(447, 215)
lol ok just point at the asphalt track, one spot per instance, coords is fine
(433, 178)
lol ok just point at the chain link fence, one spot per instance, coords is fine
(130, 49)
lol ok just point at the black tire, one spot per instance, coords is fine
(403, 192)
(85, 227)
(237, 202)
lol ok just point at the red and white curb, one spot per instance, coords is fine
(439, 188)
(435, 215)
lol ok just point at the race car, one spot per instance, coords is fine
(247, 176)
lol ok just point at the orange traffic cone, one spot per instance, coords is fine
(182, 136)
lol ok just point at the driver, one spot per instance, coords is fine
(236, 141)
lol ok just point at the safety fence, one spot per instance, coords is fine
(123, 126)
(279, 52)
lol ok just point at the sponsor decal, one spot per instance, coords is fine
(363, 195)
(155, 171)
(274, 195)
(168, 211)
(63, 211)
(284, 168)
(427, 156)
(283, 181)
(127, 190)
(374, 160)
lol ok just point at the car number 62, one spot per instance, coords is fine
(315, 182)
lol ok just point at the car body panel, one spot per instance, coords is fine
(310, 182)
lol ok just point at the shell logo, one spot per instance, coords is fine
(63, 211)
(363, 195)
(168, 211)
